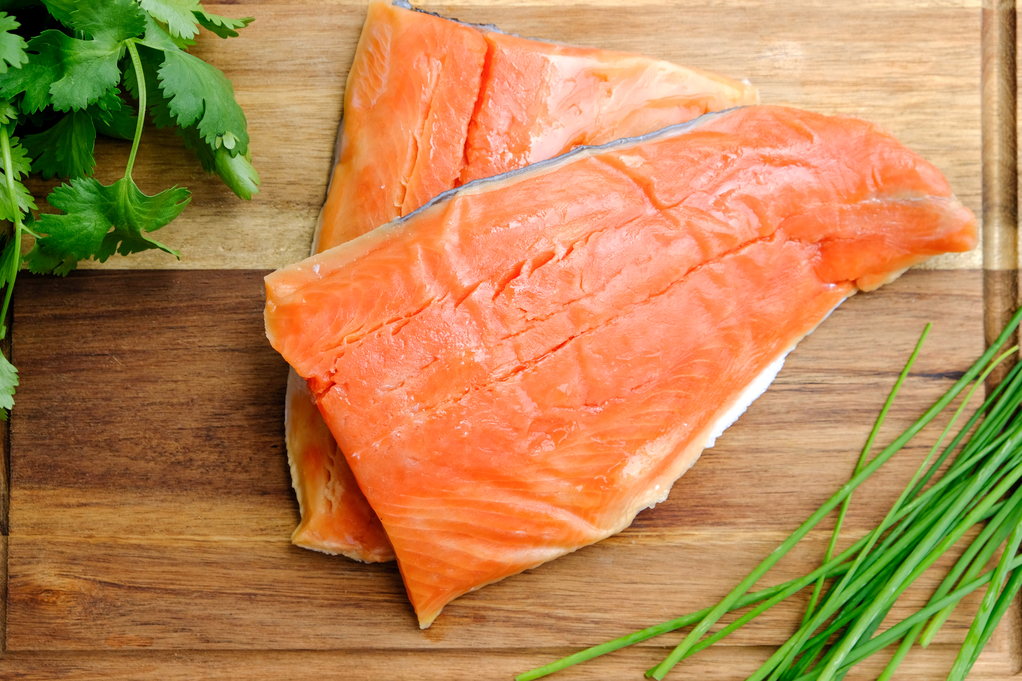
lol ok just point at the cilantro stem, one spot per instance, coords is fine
(5, 149)
(136, 62)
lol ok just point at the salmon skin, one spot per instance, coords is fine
(431, 104)
(517, 368)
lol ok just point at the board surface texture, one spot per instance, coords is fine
(150, 506)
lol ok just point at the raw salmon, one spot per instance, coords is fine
(336, 518)
(518, 368)
(433, 103)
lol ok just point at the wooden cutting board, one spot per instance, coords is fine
(150, 506)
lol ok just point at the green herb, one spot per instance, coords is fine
(67, 71)
(837, 631)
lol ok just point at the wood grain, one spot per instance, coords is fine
(1000, 170)
(913, 67)
(402, 665)
(151, 506)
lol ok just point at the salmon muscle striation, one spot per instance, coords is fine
(430, 104)
(519, 367)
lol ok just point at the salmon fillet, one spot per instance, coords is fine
(430, 104)
(519, 367)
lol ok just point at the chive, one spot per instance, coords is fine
(790, 649)
(830, 570)
(844, 590)
(1004, 601)
(815, 645)
(989, 538)
(858, 467)
(921, 525)
(813, 520)
(975, 558)
(1011, 510)
(992, 536)
(898, 582)
(785, 656)
(969, 651)
(893, 634)
(638, 636)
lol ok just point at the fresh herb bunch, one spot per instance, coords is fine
(980, 487)
(68, 71)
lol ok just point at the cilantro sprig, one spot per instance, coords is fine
(68, 72)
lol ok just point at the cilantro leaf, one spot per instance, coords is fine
(8, 382)
(21, 168)
(8, 112)
(236, 172)
(90, 69)
(222, 26)
(158, 105)
(60, 10)
(86, 69)
(200, 92)
(99, 221)
(157, 38)
(110, 101)
(24, 197)
(36, 77)
(112, 117)
(7, 268)
(12, 45)
(178, 15)
(19, 160)
(109, 21)
(65, 150)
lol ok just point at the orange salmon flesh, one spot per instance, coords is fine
(431, 104)
(518, 368)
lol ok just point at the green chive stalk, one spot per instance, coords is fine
(858, 467)
(921, 526)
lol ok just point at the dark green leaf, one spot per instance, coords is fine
(8, 383)
(109, 21)
(65, 150)
(110, 101)
(20, 160)
(200, 92)
(8, 112)
(7, 267)
(12, 45)
(222, 26)
(157, 38)
(90, 70)
(44, 67)
(178, 15)
(113, 117)
(79, 72)
(157, 104)
(61, 10)
(25, 200)
(41, 261)
(98, 221)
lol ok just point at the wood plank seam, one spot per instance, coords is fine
(1000, 194)
(1000, 170)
